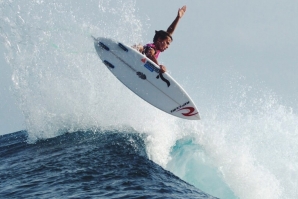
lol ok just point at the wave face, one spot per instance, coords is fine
(244, 147)
(98, 164)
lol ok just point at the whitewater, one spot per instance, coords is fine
(244, 147)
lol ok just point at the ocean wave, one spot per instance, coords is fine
(89, 164)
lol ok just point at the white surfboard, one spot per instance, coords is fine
(142, 76)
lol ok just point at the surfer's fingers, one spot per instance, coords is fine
(181, 11)
(163, 69)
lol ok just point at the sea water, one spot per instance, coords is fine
(79, 118)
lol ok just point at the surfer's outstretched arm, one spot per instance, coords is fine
(180, 14)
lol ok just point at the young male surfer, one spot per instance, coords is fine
(161, 41)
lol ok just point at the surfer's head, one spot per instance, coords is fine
(161, 34)
(162, 40)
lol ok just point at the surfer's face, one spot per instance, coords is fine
(162, 45)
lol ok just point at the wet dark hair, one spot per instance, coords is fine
(162, 35)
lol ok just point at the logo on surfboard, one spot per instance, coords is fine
(190, 112)
(151, 67)
(175, 109)
(141, 75)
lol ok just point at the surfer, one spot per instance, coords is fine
(161, 41)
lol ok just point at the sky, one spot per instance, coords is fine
(255, 41)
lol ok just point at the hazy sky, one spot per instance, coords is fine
(256, 40)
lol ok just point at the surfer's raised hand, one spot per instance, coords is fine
(172, 27)
(181, 11)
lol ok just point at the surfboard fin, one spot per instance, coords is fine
(108, 64)
(103, 46)
(123, 47)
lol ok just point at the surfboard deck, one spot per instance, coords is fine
(143, 77)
